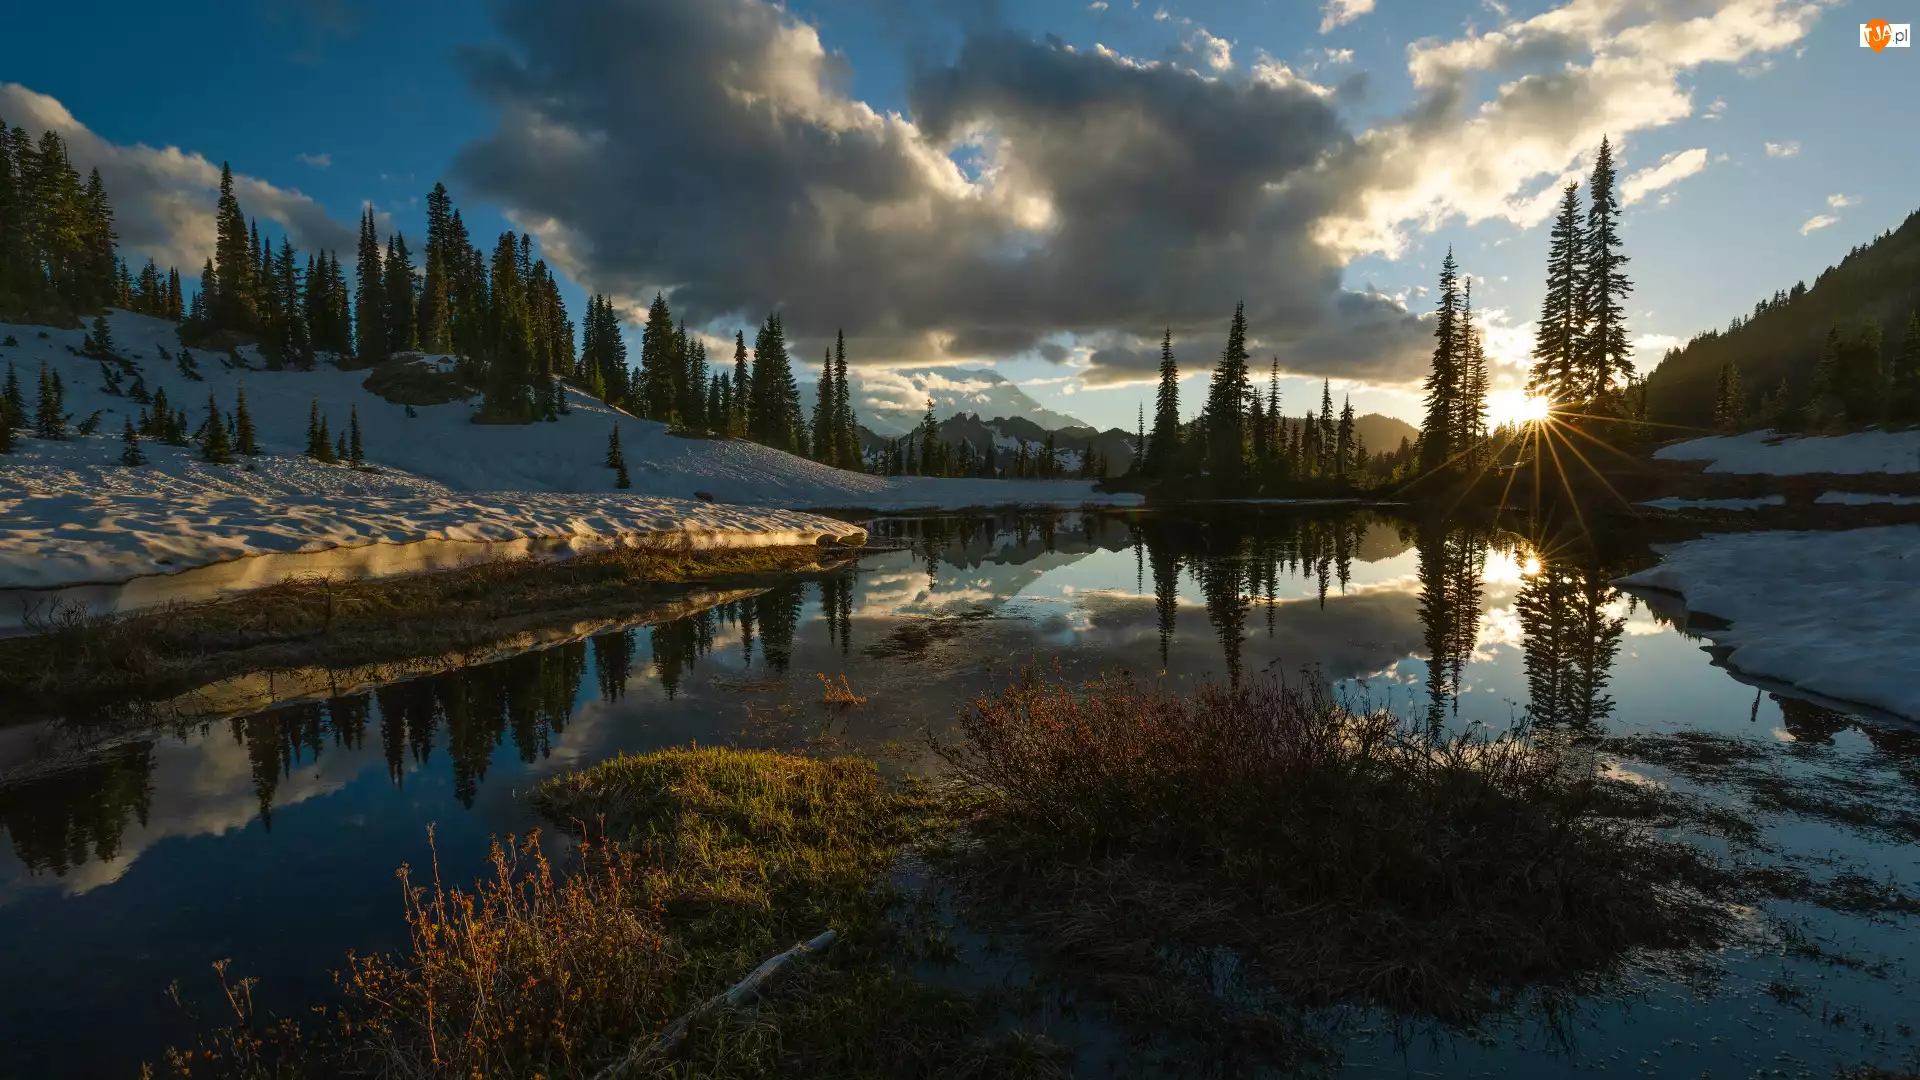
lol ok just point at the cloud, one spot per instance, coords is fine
(1097, 5)
(1338, 13)
(163, 199)
(318, 161)
(1338, 56)
(1818, 221)
(1840, 202)
(1104, 195)
(1565, 78)
(1786, 149)
(1672, 169)
(1217, 51)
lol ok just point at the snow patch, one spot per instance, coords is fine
(1835, 613)
(1765, 453)
(1673, 503)
(1862, 498)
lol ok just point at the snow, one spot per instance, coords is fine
(1673, 503)
(1763, 452)
(69, 513)
(1834, 613)
(1862, 498)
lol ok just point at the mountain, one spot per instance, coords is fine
(1784, 335)
(892, 403)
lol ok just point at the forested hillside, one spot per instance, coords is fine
(1870, 298)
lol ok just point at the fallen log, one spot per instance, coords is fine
(730, 998)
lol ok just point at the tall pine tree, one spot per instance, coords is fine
(1557, 336)
(1603, 343)
(1438, 439)
(1163, 446)
(369, 297)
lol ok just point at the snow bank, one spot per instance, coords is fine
(1763, 452)
(1835, 613)
(1862, 498)
(69, 513)
(1672, 503)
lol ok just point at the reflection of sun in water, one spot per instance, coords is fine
(1530, 568)
(1516, 407)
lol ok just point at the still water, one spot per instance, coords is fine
(273, 839)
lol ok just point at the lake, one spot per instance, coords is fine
(273, 839)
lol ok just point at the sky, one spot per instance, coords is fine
(1042, 187)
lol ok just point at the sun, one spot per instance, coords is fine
(1516, 407)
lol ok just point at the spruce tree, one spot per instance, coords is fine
(1558, 334)
(1471, 424)
(1325, 435)
(1226, 408)
(1903, 404)
(339, 448)
(243, 433)
(775, 419)
(316, 433)
(214, 446)
(658, 360)
(741, 381)
(1164, 444)
(1438, 440)
(130, 453)
(355, 455)
(826, 442)
(6, 429)
(614, 457)
(1603, 344)
(397, 301)
(620, 478)
(849, 428)
(231, 272)
(13, 404)
(1776, 408)
(1730, 400)
(1343, 439)
(369, 307)
(49, 418)
(1826, 407)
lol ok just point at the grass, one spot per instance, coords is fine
(1337, 856)
(705, 862)
(75, 662)
(1214, 864)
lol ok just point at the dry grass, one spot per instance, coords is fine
(1337, 856)
(841, 694)
(74, 663)
(712, 860)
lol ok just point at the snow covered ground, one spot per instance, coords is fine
(1757, 452)
(1672, 503)
(69, 513)
(1863, 498)
(1835, 613)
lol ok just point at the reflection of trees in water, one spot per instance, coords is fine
(1235, 558)
(1451, 563)
(60, 822)
(1810, 723)
(1569, 641)
(836, 607)
(613, 662)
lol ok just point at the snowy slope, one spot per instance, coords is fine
(70, 513)
(1835, 613)
(1757, 452)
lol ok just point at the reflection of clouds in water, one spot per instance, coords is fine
(202, 785)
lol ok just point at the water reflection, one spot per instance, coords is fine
(237, 823)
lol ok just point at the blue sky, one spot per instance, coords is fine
(348, 102)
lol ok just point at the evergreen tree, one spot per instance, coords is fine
(848, 427)
(620, 478)
(1438, 439)
(369, 308)
(214, 446)
(49, 418)
(1826, 407)
(1226, 408)
(130, 453)
(1603, 344)
(1139, 439)
(231, 306)
(1325, 435)
(1471, 426)
(1730, 400)
(1344, 440)
(1558, 334)
(244, 438)
(13, 404)
(316, 432)
(826, 430)
(355, 454)
(614, 457)
(1164, 444)
(741, 381)
(1903, 403)
(775, 401)
(1776, 408)
(398, 303)
(658, 360)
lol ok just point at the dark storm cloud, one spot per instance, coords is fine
(709, 147)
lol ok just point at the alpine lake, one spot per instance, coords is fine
(272, 840)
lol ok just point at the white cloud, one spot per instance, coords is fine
(1841, 202)
(163, 199)
(1161, 15)
(1648, 348)
(1217, 51)
(1613, 68)
(1338, 13)
(1785, 149)
(1818, 221)
(318, 161)
(1339, 56)
(1097, 5)
(1672, 169)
